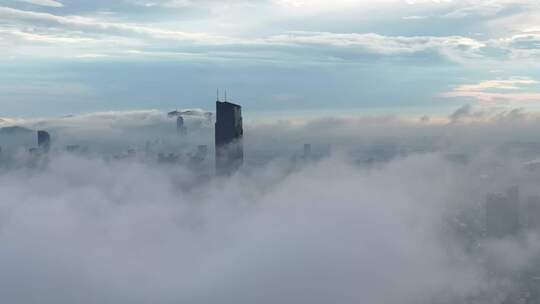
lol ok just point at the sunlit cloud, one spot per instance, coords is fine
(496, 91)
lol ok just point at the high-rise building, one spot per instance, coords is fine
(202, 151)
(44, 141)
(502, 214)
(180, 125)
(307, 151)
(73, 148)
(228, 138)
(199, 156)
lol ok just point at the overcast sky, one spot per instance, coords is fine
(400, 56)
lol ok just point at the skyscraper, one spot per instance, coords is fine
(228, 138)
(307, 151)
(44, 141)
(180, 127)
(502, 214)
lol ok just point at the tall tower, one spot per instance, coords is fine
(228, 138)
(44, 141)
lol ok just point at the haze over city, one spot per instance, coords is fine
(269, 151)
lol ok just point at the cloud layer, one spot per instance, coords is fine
(398, 199)
(95, 32)
(126, 234)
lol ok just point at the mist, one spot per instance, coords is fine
(388, 210)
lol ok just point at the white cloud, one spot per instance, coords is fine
(379, 44)
(166, 40)
(485, 9)
(98, 25)
(414, 17)
(50, 3)
(325, 232)
(155, 41)
(507, 84)
(473, 8)
(116, 225)
(91, 55)
(36, 37)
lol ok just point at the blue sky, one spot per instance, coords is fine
(397, 56)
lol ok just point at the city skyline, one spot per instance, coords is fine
(357, 151)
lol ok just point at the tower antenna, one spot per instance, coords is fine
(217, 94)
(225, 95)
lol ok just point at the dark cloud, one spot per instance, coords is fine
(464, 111)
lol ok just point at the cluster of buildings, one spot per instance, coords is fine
(510, 220)
(228, 141)
(507, 215)
(229, 150)
(43, 143)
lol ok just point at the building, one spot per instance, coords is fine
(73, 148)
(228, 138)
(180, 127)
(502, 214)
(202, 152)
(533, 212)
(307, 151)
(170, 158)
(44, 141)
(199, 157)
